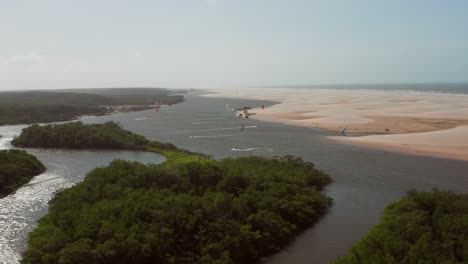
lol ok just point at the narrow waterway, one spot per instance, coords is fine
(19, 212)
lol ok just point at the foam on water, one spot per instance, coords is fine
(219, 136)
(252, 149)
(216, 129)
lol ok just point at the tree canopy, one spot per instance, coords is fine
(78, 135)
(205, 211)
(17, 168)
(189, 209)
(50, 106)
(422, 227)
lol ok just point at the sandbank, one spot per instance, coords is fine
(420, 123)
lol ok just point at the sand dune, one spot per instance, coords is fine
(422, 123)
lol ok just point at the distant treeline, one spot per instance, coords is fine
(422, 227)
(135, 96)
(16, 168)
(49, 106)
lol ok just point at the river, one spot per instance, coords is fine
(19, 212)
(365, 180)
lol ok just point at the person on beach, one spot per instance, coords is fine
(343, 132)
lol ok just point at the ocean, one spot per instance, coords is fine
(437, 88)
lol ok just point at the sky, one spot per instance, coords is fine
(52, 44)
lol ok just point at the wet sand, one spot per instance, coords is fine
(446, 143)
(365, 180)
(436, 117)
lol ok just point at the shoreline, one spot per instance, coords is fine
(447, 152)
(365, 180)
(413, 123)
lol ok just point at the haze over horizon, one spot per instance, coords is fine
(56, 44)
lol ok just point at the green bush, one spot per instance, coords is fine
(78, 135)
(17, 168)
(62, 105)
(228, 211)
(422, 227)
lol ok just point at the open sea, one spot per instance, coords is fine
(437, 88)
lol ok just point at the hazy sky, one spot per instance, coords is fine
(222, 43)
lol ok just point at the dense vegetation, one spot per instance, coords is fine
(78, 135)
(134, 96)
(423, 227)
(32, 107)
(189, 209)
(16, 168)
(49, 106)
(203, 211)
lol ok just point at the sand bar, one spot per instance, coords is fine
(420, 123)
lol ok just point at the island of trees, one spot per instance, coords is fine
(62, 105)
(78, 135)
(16, 168)
(422, 227)
(189, 209)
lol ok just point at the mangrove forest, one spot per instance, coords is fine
(189, 209)
(17, 167)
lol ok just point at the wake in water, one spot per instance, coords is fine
(217, 136)
(214, 129)
(141, 118)
(211, 118)
(252, 149)
(211, 122)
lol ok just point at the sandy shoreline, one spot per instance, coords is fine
(418, 123)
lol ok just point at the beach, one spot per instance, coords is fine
(365, 180)
(411, 122)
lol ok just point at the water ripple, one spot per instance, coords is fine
(20, 211)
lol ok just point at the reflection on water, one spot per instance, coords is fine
(20, 211)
